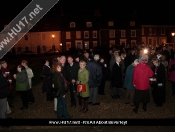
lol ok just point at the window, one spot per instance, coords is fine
(88, 24)
(133, 33)
(86, 44)
(143, 31)
(26, 48)
(46, 26)
(68, 45)
(94, 34)
(111, 33)
(44, 48)
(162, 31)
(123, 33)
(94, 44)
(68, 35)
(111, 42)
(26, 37)
(132, 23)
(154, 31)
(43, 36)
(19, 49)
(150, 31)
(78, 34)
(86, 34)
(72, 24)
(110, 23)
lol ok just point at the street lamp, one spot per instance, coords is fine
(173, 34)
(53, 46)
(61, 46)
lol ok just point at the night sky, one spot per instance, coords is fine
(153, 10)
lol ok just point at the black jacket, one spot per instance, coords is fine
(95, 73)
(58, 82)
(117, 76)
(72, 72)
(4, 91)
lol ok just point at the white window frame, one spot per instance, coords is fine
(86, 33)
(68, 35)
(94, 43)
(132, 31)
(123, 33)
(110, 33)
(88, 24)
(86, 44)
(110, 23)
(68, 45)
(72, 24)
(94, 32)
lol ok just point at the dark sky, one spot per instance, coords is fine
(86, 7)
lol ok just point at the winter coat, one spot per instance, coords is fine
(141, 76)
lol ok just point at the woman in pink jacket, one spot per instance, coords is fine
(171, 74)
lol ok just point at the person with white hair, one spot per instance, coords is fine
(130, 89)
(141, 81)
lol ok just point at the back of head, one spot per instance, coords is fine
(143, 58)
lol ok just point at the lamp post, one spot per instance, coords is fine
(61, 46)
(53, 46)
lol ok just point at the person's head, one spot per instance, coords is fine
(54, 60)
(163, 57)
(20, 68)
(143, 58)
(82, 64)
(102, 60)
(96, 57)
(70, 59)
(86, 54)
(77, 59)
(4, 64)
(63, 60)
(24, 63)
(46, 62)
(123, 55)
(57, 67)
(164, 48)
(153, 51)
(136, 62)
(155, 61)
(118, 59)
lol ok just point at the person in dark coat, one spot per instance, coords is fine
(159, 85)
(117, 82)
(4, 92)
(72, 76)
(95, 76)
(101, 87)
(58, 82)
(47, 84)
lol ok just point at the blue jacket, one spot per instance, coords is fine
(128, 84)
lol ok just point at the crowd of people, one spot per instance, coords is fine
(136, 72)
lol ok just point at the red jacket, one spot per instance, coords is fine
(171, 75)
(9, 77)
(141, 75)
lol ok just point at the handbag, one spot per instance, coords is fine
(81, 88)
(55, 92)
